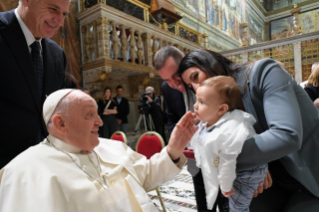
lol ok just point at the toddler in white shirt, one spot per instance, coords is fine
(218, 141)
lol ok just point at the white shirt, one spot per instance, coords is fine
(303, 84)
(216, 149)
(192, 100)
(27, 33)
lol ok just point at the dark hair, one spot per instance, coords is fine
(164, 53)
(70, 81)
(119, 86)
(107, 88)
(212, 63)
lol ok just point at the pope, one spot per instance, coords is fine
(75, 170)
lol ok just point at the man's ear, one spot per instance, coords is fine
(223, 108)
(59, 124)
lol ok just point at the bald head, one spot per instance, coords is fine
(76, 121)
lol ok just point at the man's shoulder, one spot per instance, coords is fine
(53, 45)
(6, 17)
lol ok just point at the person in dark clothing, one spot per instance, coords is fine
(312, 86)
(107, 110)
(123, 109)
(156, 112)
(70, 81)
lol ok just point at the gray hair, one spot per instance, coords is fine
(164, 53)
(150, 87)
(314, 66)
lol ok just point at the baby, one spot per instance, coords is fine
(218, 141)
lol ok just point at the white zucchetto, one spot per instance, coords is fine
(52, 101)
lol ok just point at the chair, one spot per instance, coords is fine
(119, 136)
(148, 144)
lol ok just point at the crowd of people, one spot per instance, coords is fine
(253, 129)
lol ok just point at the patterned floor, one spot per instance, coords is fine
(178, 194)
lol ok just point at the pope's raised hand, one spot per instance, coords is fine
(181, 135)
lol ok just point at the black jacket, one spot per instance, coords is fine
(174, 104)
(312, 91)
(21, 105)
(123, 109)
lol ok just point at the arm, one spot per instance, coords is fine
(160, 167)
(127, 108)
(110, 111)
(274, 87)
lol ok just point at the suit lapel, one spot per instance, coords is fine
(48, 67)
(14, 36)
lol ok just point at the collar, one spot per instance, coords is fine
(27, 33)
(118, 98)
(220, 121)
(63, 145)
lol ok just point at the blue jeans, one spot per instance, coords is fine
(245, 184)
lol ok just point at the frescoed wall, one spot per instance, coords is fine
(67, 36)
(226, 16)
(308, 21)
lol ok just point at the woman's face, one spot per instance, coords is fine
(107, 94)
(193, 77)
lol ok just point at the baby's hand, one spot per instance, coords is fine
(229, 193)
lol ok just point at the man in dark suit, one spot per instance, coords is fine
(31, 67)
(123, 109)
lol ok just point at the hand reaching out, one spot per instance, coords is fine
(181, 135)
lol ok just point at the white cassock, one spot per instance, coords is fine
(44, 179)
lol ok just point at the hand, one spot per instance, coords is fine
(229, 193)
(118, 121)
(149, 99)
(106, 112)
(181, 135)
(266, 184)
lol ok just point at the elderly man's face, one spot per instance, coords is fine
(168, 74)
(44, 17)
(83, 123)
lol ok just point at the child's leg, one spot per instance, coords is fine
(244, 185)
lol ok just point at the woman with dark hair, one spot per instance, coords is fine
(312, 86)
(107, 110)
(287, 128)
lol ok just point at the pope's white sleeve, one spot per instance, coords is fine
(155, 171)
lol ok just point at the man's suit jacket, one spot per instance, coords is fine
(287, 123)
(21, 105)
(174, 105)
(123, 109)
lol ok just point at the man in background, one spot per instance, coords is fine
(32, 66)
(123, 109)
(156, 112)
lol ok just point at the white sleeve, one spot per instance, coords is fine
(230, 149)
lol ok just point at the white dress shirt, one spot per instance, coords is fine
(27, 33)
